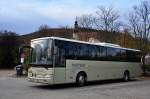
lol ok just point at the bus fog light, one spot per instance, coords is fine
(30, 74)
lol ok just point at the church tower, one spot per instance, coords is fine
(75, 31)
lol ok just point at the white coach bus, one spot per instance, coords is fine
(57, 61)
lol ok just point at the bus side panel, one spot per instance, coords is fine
(105, 70)
(135, 69)
(73, 67)
(100, 70)
(59, 75)
(70, 77)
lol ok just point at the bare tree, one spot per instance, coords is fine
(86, 21)
(43, 27)
(139, 20)
(107, 19)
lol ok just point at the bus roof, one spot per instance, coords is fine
(83, 42)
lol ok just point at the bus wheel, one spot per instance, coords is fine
(81, 79)
(126, 76)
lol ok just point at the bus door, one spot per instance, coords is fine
(59, 65)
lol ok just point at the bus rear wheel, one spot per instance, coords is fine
(80, 80)
(126, 76)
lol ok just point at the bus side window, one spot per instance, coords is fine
(81, 52)
(110, 53)
(117, 55)
(70, 50)
(103, 51)
(60, 54)
(137, 56)
(113, 54)
(93, 51)
(130, 56)
(123, 57)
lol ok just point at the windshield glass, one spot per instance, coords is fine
(42, 52)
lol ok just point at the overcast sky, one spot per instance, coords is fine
(25, 16)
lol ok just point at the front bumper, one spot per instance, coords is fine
(41, 80)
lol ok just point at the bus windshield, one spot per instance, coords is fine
(42, 52)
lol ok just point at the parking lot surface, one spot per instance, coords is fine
(20, 88)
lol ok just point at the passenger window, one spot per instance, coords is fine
(113, 54)
(93, 52)
(70, 50)
(82, 51)
(101, 53)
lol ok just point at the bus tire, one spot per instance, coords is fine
(81, 79)
(126, 76)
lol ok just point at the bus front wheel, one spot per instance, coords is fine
(81, 79)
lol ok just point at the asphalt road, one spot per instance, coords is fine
(20, 88)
